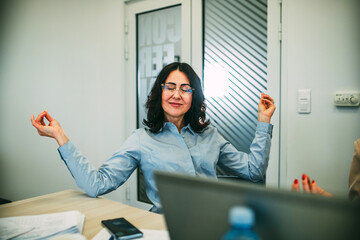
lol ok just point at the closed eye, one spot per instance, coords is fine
(187, 90)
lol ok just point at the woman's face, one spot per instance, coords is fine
(176, 103)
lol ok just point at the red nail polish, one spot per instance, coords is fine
(303, 177)
(313, 181)
(296, 181)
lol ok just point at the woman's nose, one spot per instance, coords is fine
(176, 94)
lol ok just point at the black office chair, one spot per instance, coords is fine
(223, 174)
(142, 196)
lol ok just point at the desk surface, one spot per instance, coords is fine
(95, 210)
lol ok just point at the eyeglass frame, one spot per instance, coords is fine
(181, 92)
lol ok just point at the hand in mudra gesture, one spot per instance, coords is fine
(266, 108)
(53, 129)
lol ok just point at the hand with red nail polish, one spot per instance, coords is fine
(309, 186)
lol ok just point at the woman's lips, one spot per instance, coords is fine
(175, 104)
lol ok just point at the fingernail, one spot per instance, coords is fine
(296, 181)
(313, 181)
(303, 177)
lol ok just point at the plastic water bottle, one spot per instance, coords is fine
(242, 221)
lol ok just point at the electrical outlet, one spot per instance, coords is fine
(127, 193)
(347, 99)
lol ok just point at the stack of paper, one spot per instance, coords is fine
(41, 226)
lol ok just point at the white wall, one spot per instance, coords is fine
(65, 57)
(321, 52)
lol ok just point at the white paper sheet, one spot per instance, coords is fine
(10, 229)
(47, 225)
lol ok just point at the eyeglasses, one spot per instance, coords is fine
(170, 88)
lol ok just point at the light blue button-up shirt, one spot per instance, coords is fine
(186, 152)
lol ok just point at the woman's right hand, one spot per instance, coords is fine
(52, 130)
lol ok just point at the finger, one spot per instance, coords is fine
(48, 117)
(267, 106)
(33, 121)
(35, 124)
(306, 183)
(263, 95)
(295, 186)
(267, 97)
(42, 121)
(314, 188)
(40, 116)
(308, 180)
(266, 101)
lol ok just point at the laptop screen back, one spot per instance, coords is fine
(197, 208)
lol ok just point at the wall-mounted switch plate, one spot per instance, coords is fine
(347, 99)
(304, 100)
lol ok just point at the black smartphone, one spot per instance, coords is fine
(121, 229)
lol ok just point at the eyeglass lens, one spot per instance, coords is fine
(184, 89)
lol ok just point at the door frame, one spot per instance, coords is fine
(274, 89)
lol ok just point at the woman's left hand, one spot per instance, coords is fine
(309, 186)
(266, 108)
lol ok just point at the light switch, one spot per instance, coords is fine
(304, 100)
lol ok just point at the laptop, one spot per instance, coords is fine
(197, 208)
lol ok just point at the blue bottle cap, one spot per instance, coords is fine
(241, 216)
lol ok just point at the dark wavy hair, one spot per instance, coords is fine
(196, 115)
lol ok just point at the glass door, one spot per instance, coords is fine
(241, 60)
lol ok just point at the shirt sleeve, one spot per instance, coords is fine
(113, 172)
(250, 166)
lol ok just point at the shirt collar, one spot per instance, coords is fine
(189, 128)
(167, 125)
